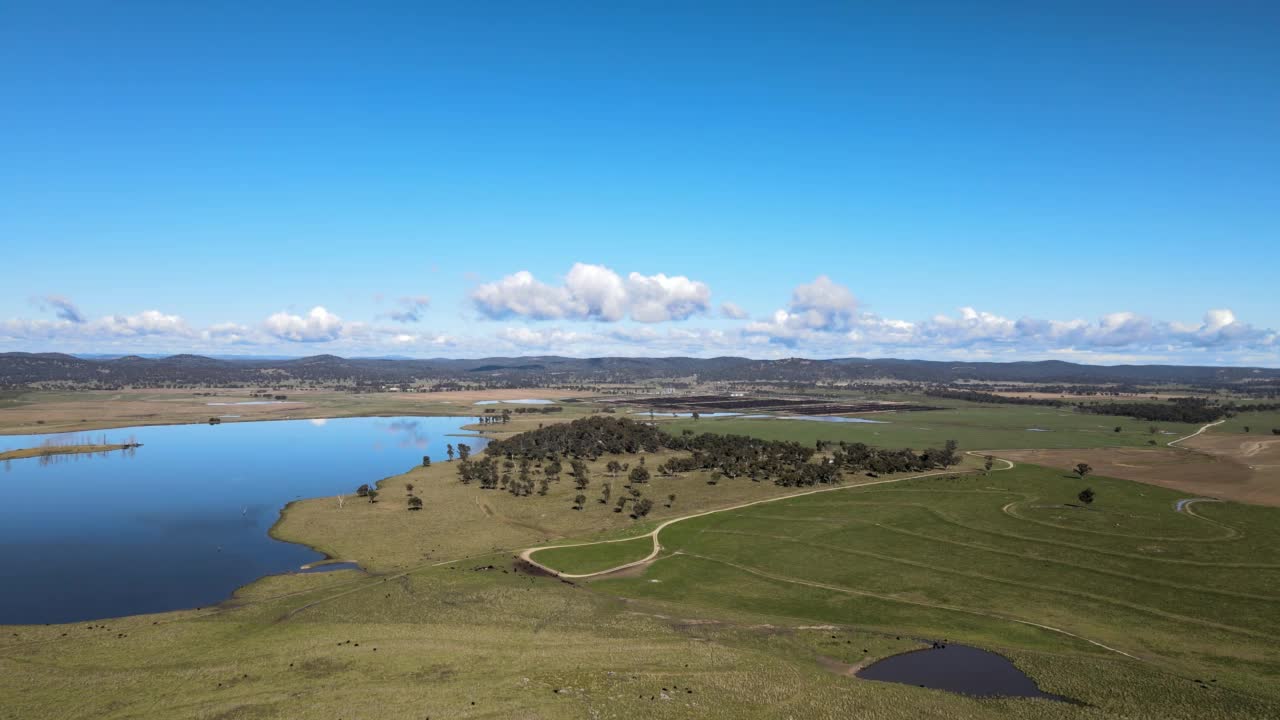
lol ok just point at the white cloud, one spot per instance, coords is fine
(593, 292)
(543, 338)
(732, 311)
(822, 306)
(319, 325)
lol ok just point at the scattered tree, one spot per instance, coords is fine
(363, 490)
(605, 492)
(578, 501)
(426, 461)
(450, 452)
(671, 499)
(1083, 469)
(464, 452)
(372, 495)
(988, 463)
(641, 508)
(640, 474)
(1086, 496)
(415, 503)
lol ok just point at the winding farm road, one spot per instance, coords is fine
(1171, 443)
(527, 554)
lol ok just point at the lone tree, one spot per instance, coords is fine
(1083, 469)
(579, 500)
(1086, 496)
(415, 503)
(372, 495)
(1117, 428)
(426, 461)
(986, 465)
(640, 474)
(363, 490)
(641, 508)
(464, 451)
(450, 452)
(613, 467)
(671, 499)
(605, 492)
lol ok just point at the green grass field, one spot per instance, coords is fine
(1259, 423)
(975, 428)
(594, 558)
(977, 559)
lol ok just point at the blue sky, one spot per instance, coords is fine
(997, 180)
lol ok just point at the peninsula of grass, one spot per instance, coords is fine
(585, 559)
(51, 450)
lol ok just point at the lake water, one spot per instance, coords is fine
(958, 669)
(182, 521)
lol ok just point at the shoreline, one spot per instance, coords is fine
(55, 450)
(110, 425)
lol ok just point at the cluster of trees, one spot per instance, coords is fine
(587, 438)
(1184, 410)
(505, 417)
(990, 398)
(790, 464)
(859, 457)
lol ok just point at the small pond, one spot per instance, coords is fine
(182, 521)
(958, 669)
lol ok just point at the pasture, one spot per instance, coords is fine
(975, 428)
(1180, 602)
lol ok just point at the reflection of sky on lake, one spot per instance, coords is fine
(183, 520)
(409, 434)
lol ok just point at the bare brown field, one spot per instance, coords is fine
(47, 412)
(1220, 474)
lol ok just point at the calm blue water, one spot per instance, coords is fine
(182, 521)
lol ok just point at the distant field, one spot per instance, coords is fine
(61, 411)
(975, 428)
(1259, 423)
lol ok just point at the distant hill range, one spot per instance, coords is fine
(19, 369)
